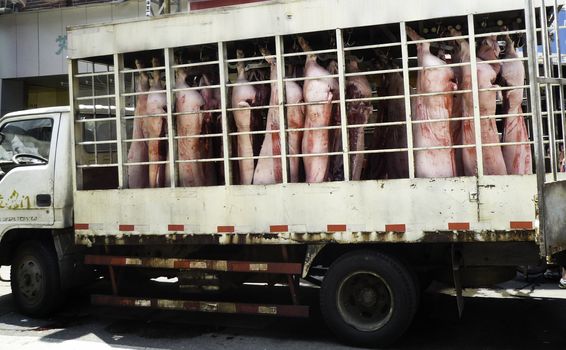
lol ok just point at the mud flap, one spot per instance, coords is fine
(554, 206)
(456, 262)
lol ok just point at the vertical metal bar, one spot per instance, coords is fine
(530, 25)
(94, 131)
(281, 99)
(475, 94)
(75, 127)
(223, 73)
(120, 123)
(343, 117)
(560, 75)
(293, 288)
(547, 65)
(171, 149)
(113, 280)
(407, 93)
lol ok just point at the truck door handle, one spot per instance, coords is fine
(43, 200)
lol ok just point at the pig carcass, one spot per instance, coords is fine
(493, 163)
(243, 96)
(336, 162)
(358, 113)
(209, 126)
(317, 115)
(188, 105)
(518, 159)
(295, 120)
(431, 133)
(155, 127)
(268, 170)
(138, 174)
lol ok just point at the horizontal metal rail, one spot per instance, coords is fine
(203, 306)
(195, 64)
(93, 74)
(96, 97)
(196, 264)
(374, 46)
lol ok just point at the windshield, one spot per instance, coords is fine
(26, 136)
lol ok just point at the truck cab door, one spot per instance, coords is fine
(27, 163)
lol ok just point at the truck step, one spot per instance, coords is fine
(202, 306)
(196, 264)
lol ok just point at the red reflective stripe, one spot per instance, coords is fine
(458, 226)
(524, 225)
(335, 228)
(395, 228)
(225, 229)
(126, 227)
(81, 226)
(105, 260)
(176, 227)
(278, 228)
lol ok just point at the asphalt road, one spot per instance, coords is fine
(517, 315)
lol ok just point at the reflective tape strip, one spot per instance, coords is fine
(200, 265)
(335, 228)
(225, 229)
(458, 226)
(521, 225)
(395, 228)
(81, 226)
(126, 228)
(133, 261)
(278, 228)
(203, 306)
(268, 310)
(258, 267)
(176, 227)
(290, 268)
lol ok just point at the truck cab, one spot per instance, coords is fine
(36, 203)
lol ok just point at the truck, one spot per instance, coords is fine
(370, 242)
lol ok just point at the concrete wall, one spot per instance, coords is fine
(34, 43)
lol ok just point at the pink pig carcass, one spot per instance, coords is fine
(428, 133)
(188, 104)
(268, 170)
(493, 163)
(244, 96)
(316, 115)
(155, 127)
(138, 175)
(518, 159)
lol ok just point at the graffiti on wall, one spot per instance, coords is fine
(62, 44)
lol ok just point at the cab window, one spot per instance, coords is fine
(26, 136)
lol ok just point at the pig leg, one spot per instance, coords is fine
(316, 141)
(138, 174)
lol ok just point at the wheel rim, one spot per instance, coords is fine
(365, 301)
(30, 281)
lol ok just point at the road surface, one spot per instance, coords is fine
(517, 315)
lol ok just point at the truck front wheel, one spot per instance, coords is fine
(368, 298)
(34, 278)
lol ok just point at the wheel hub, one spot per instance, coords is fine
(365, 300)
(368, 297)
(30, 280)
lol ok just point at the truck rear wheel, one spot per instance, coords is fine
(368, 298)
(35, 280)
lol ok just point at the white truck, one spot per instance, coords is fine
(370, 244)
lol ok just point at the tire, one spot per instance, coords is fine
(368, 298)
(35, 280)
